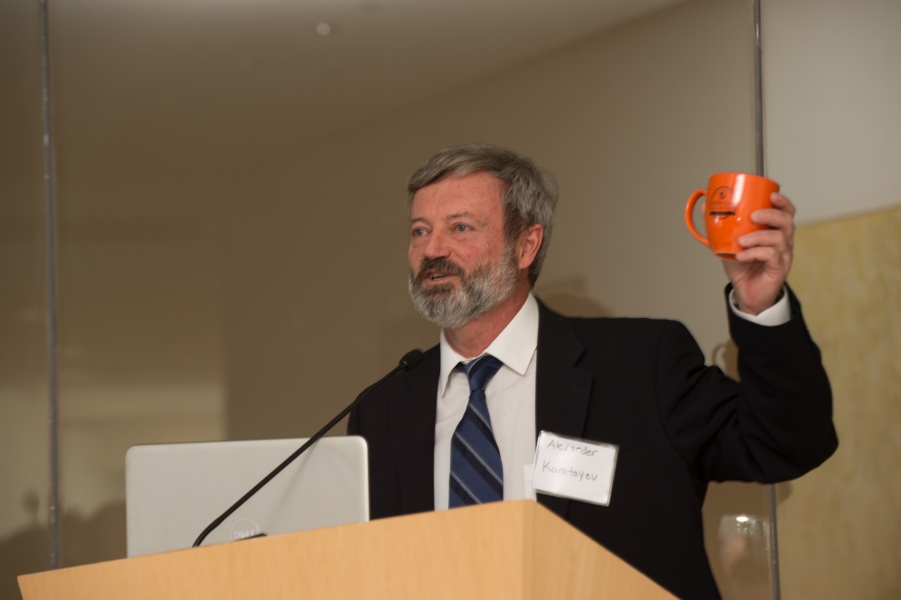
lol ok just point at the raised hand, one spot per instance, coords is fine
(758, 272)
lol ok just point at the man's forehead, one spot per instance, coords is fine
(460, 195)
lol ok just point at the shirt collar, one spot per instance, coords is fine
(514, 346)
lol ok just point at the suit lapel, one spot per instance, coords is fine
(562, 391)
(413, 435)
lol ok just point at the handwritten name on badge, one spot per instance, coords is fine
(574, 468)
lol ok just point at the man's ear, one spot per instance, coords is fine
(528, 244)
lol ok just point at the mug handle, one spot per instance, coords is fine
(689, 209)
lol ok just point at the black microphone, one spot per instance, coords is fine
(410, 360)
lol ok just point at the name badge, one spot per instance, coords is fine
(574, 468)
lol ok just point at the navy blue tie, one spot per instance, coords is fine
(476, 474)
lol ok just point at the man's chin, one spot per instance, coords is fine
(435, 290)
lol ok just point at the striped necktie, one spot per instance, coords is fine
(476, 474)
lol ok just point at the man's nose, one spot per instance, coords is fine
(436, 246)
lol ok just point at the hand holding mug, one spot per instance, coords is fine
(751, 227)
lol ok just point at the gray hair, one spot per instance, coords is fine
(530, 194)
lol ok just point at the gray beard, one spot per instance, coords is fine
(480, 291)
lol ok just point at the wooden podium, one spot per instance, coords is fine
(506, 550)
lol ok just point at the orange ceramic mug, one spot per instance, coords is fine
(731, 198)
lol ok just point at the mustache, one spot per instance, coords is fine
(439, 264)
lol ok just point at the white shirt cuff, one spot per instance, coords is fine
(777, 314)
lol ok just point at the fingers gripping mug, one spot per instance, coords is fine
(731, 198)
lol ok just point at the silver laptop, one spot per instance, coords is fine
(173, 491)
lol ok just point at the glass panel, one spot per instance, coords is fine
(840, 525)
(233, 228)
(834, 134)
(24, 433)
(140, 295)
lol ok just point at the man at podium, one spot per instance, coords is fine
(461, 427)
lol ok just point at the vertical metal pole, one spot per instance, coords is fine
(50, 235)
(761, 170)
(758, 84)
(774, 545)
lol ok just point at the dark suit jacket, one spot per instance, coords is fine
(640, 384)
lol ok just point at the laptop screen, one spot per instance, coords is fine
(173, 491)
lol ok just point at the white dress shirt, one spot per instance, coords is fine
(511, 398)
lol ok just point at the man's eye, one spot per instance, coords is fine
(418, 232)
(462, 227)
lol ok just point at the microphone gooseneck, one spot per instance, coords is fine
(409, 361)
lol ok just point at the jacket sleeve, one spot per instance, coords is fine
(773, 426)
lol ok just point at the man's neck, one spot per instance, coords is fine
(472, 339)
